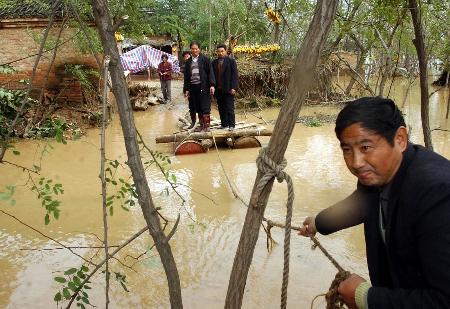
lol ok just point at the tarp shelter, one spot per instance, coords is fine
(143, 57)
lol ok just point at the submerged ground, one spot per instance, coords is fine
(206, 240)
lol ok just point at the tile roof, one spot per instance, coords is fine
(30, 9)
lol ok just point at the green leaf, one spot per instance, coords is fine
(80, 274)
(72, 286)
(70, 271)
(47, 219)
(86, 287)
(57, 297)
(85, 300)
(60, 279)
(82, 306)
(77, 281)
(111, 211)
(66, 293)
(16, 152)
(84, 268)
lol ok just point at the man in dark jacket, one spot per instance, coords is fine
(226, 75)
(199, 85)
(165, 77)
(403, 200)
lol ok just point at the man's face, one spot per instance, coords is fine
(221, 52)
(164, 59)
(369, 156)
(195, 51)
(186, 57)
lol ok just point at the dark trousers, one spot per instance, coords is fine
(166, 89)
(192, 109)
(225, 103)
(200, 99)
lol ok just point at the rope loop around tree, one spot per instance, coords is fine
(272, 170)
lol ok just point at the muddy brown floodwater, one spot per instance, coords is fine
(206, 240)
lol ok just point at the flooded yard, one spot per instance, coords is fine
(211, 218)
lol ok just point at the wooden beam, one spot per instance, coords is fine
(209, 135)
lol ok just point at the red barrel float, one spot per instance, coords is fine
(189, 147)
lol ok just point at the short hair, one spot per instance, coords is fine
(165, 56)
(221, 46)
(186, 52)
(375, 114)
(194, 43)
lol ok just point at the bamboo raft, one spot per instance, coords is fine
(190, 142)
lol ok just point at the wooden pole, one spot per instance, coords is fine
(419, 43)
(105, 28)
(300, 83)
(103, 177)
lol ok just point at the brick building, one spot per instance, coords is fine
(21, 28)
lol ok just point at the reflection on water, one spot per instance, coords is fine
(204, 250)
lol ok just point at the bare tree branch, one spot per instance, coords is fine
(48, 237)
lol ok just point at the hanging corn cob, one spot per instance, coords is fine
(273, 16)
(118, 36)
(256, 49)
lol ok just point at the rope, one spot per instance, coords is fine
(334, 300)
(332, 296)
(271, 170)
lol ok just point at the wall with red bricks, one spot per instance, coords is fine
(19, 42)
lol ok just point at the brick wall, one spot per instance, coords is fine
(18, 42)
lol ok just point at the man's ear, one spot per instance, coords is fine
(401, 138)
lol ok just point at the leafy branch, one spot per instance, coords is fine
(72, 282)
(46, 191)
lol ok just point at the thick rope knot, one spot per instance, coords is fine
(270, 170)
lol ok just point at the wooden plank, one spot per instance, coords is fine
(217, 134)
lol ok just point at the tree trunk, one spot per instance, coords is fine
(448, 97)
(386, 71)
(119, 86)
(180, 46)
(359, 69)
(386, 64)
(421, 55)
(276, 39)
(364, 50)
(303, 72)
